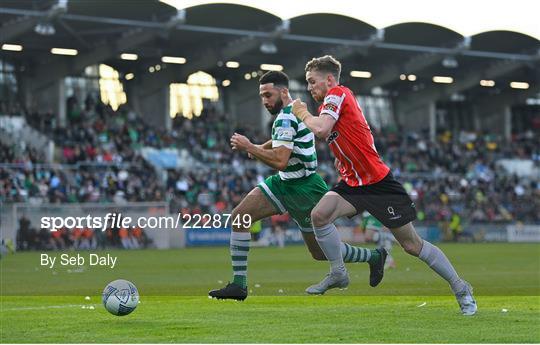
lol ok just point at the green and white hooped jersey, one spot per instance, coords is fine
(288, 131)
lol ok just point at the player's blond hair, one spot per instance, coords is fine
(327, 63)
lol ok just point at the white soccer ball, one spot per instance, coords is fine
(120, 297)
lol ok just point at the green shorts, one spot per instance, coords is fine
(298, 196)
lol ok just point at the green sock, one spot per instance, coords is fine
(239, 246)
(375, 256)
(358, 254)
(240, 280)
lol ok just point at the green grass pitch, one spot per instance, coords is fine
(412, 305)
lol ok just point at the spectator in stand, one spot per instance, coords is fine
(454, 174)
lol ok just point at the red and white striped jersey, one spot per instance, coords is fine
(351, 140)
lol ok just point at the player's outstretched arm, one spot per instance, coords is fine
(276, 158)
(321, 126)
(267, 145)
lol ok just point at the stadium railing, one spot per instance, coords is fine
(162, 237)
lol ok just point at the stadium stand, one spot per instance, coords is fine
(467, 153)
(469, 185)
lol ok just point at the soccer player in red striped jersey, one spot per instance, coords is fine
(366, 182)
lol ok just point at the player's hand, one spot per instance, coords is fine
(240, 142)
(299, 109)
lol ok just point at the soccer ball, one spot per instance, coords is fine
(120, 297)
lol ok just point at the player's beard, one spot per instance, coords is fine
(276, 108)
(319, 97)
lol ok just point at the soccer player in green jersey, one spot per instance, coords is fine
(296, 189)
(375, 231)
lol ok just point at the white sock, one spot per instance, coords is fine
(328, 238)
(438, 262)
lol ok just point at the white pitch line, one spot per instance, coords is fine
(45, 307)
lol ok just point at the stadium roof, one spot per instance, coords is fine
(465, 17)
(209, 34)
